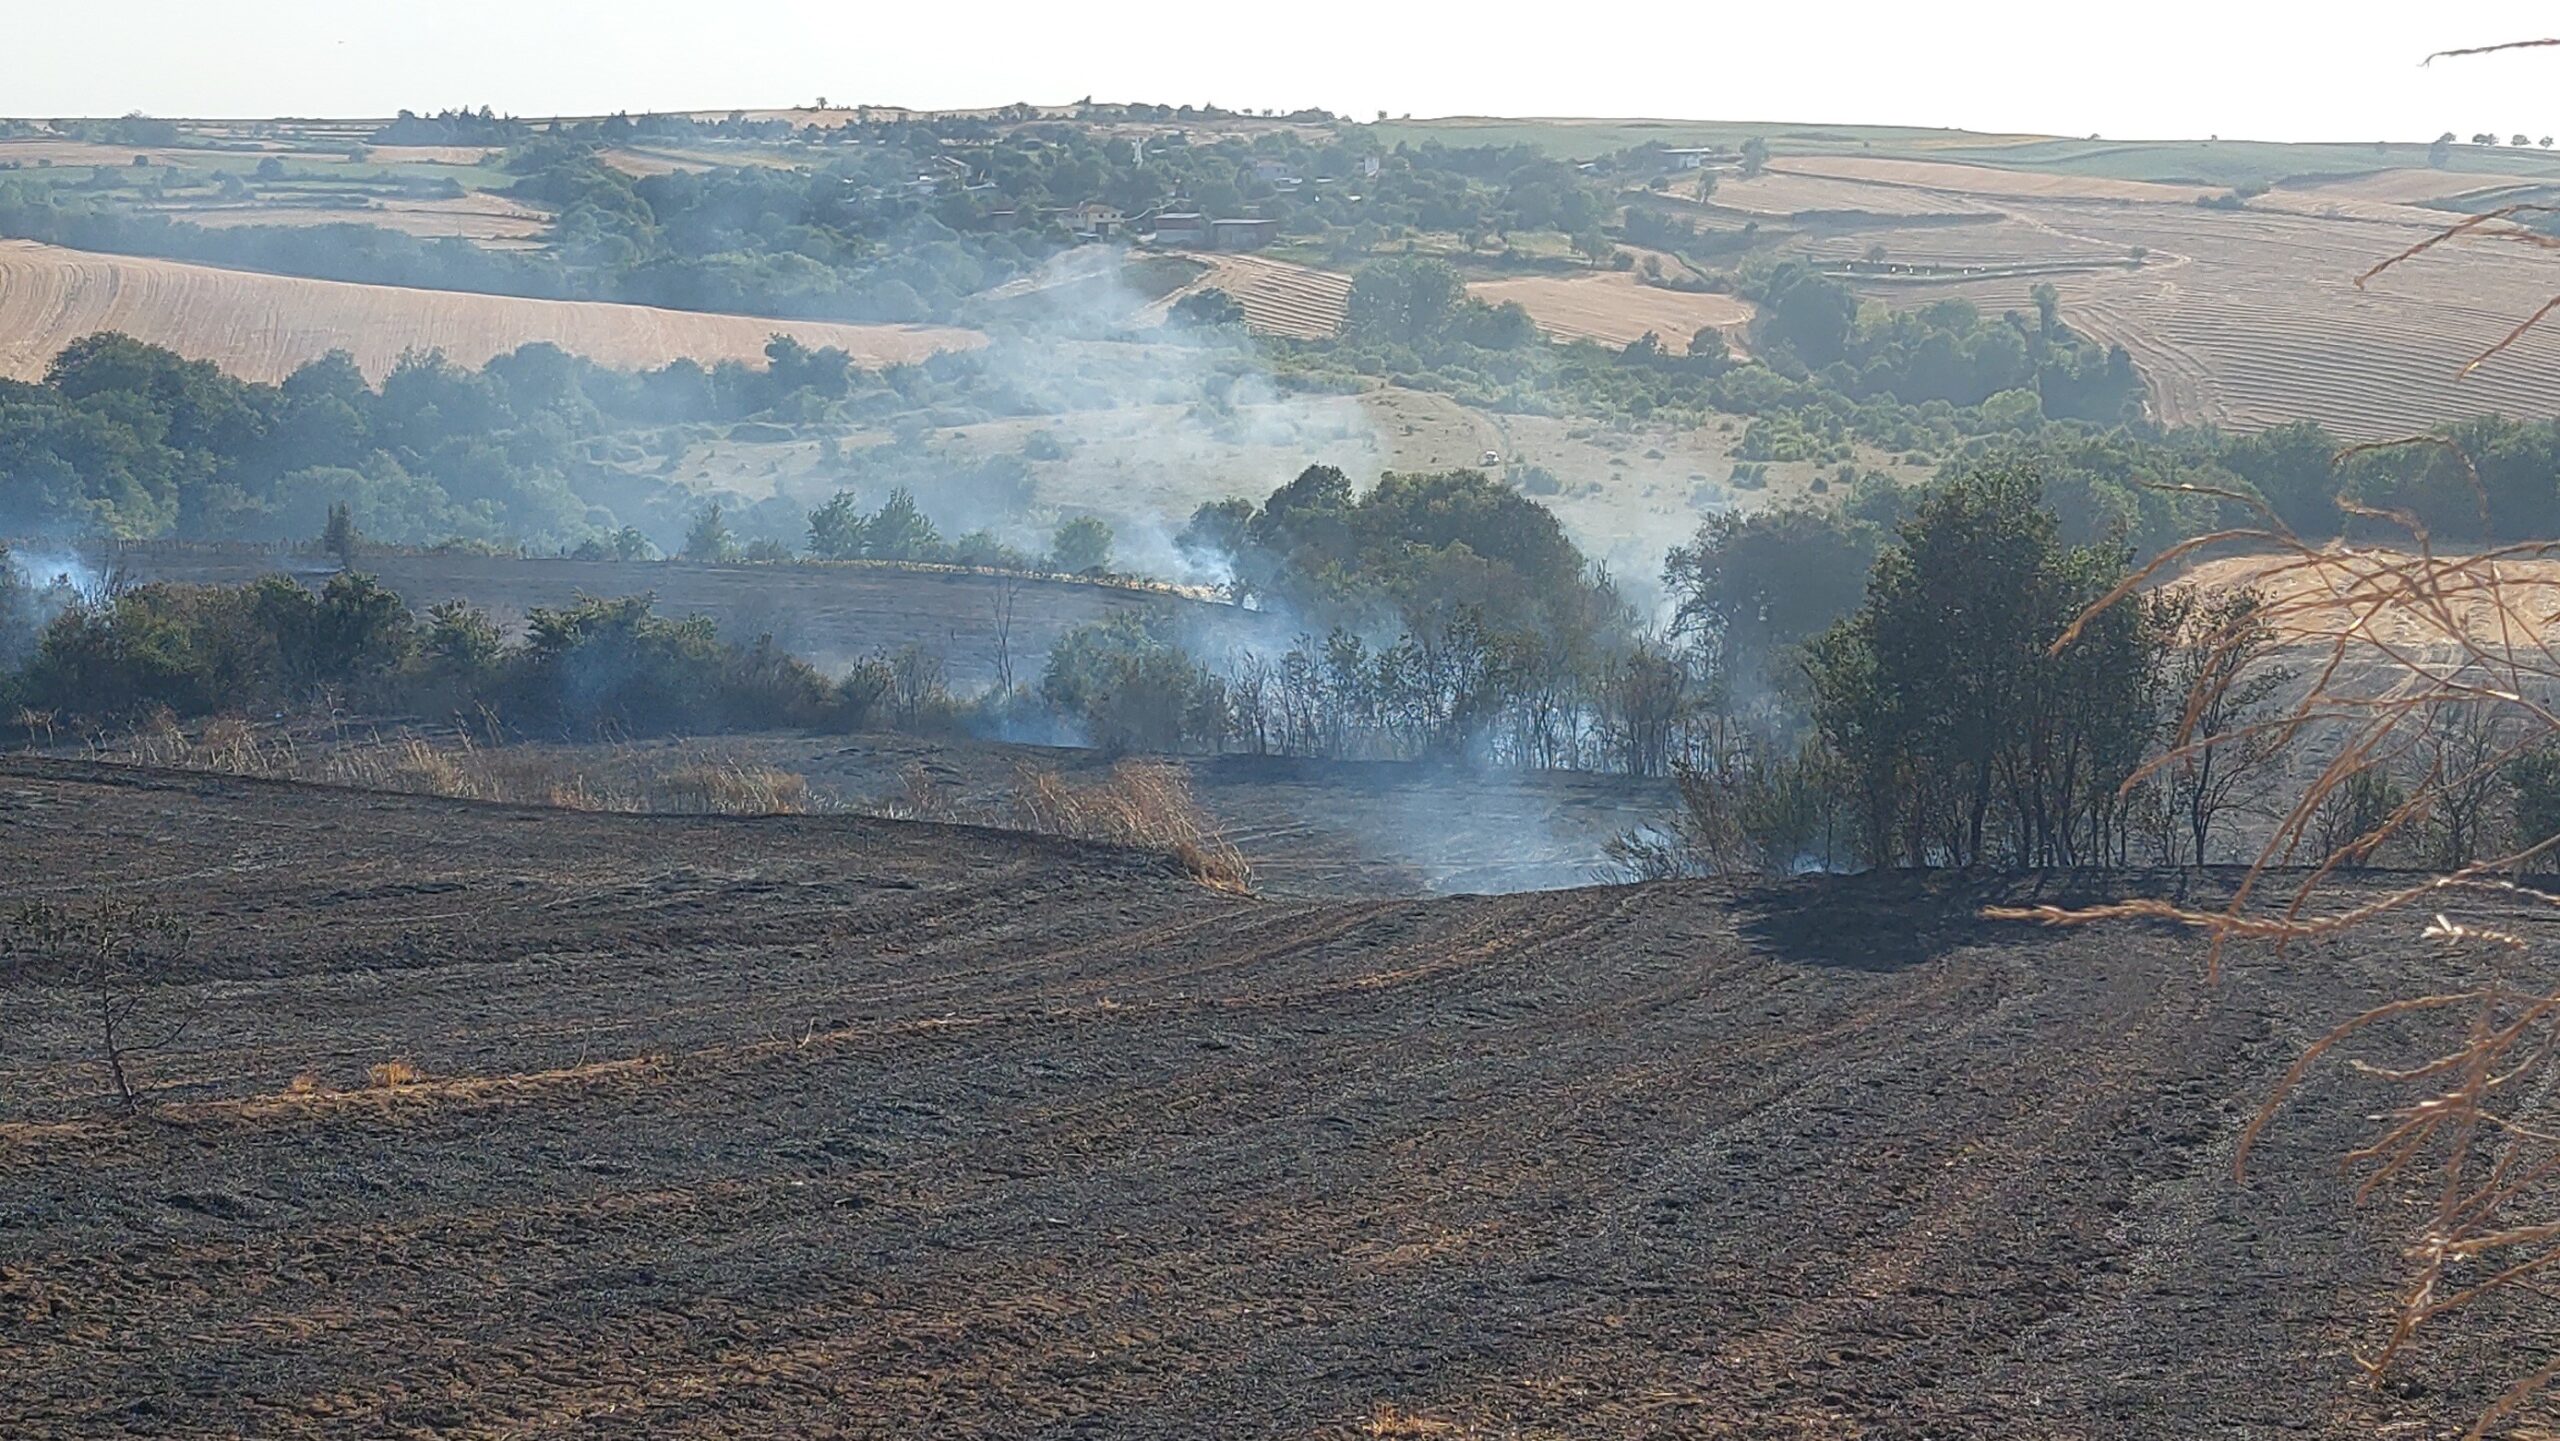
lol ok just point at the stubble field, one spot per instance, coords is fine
(261, 327)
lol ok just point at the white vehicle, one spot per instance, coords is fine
(1491, 457)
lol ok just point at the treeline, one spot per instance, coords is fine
(2030, 366)
(459, 126)
(131, 440)
(1875, 684)
(1944, 383)
(600, 667)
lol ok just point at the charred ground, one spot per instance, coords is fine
(836, 1126)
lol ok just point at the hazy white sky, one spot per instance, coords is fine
(2294, 71)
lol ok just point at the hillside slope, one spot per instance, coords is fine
(260, 327)
(812, 1126)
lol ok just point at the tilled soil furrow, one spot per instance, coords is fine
(849, 1128)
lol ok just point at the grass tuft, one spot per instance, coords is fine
(386, 1075)
(1146, 804)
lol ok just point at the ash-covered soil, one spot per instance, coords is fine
(825, 1126)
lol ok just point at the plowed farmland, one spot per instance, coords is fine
(263, 326)
(497, 1120)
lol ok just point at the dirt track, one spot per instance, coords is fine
(820, 1127)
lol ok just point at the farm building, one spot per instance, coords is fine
(1182, 227)
(1243, 234)
(1189, 228)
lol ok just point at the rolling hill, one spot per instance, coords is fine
(263, 326)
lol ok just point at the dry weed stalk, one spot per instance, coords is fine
(2487, 49)
(108, 950)
(2436, 666)
(1147, 804)
(38, 722)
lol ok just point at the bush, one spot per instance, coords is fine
(1131, 689)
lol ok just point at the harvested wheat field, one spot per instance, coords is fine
(2409, 186)
(2483, 601)
(2253, 317)
(1278, 297)
(645, 163)
(1615, 307)
(493, 221)
(38, 152)
(1785, 193)
(430, 154)
(1283, 298)
(1986, 180)
(261, 327)
(497, 1119)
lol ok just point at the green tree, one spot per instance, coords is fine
(2292, 467)
(1406, 299)
(709, 539)
(900, 530)
(1082, 546)
(838, 530)
(2535, 778)
(338, 537)
(1210, 307)
(1943, 699)
(2222, 682)
(1752, 584)
(1755, 156)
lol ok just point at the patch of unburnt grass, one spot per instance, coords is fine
(1144, 804)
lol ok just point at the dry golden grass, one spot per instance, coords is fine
(261, 327)
(681, 781)
(734, 788)
(385, 1075)
(1145, 804)
(2318, 600)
